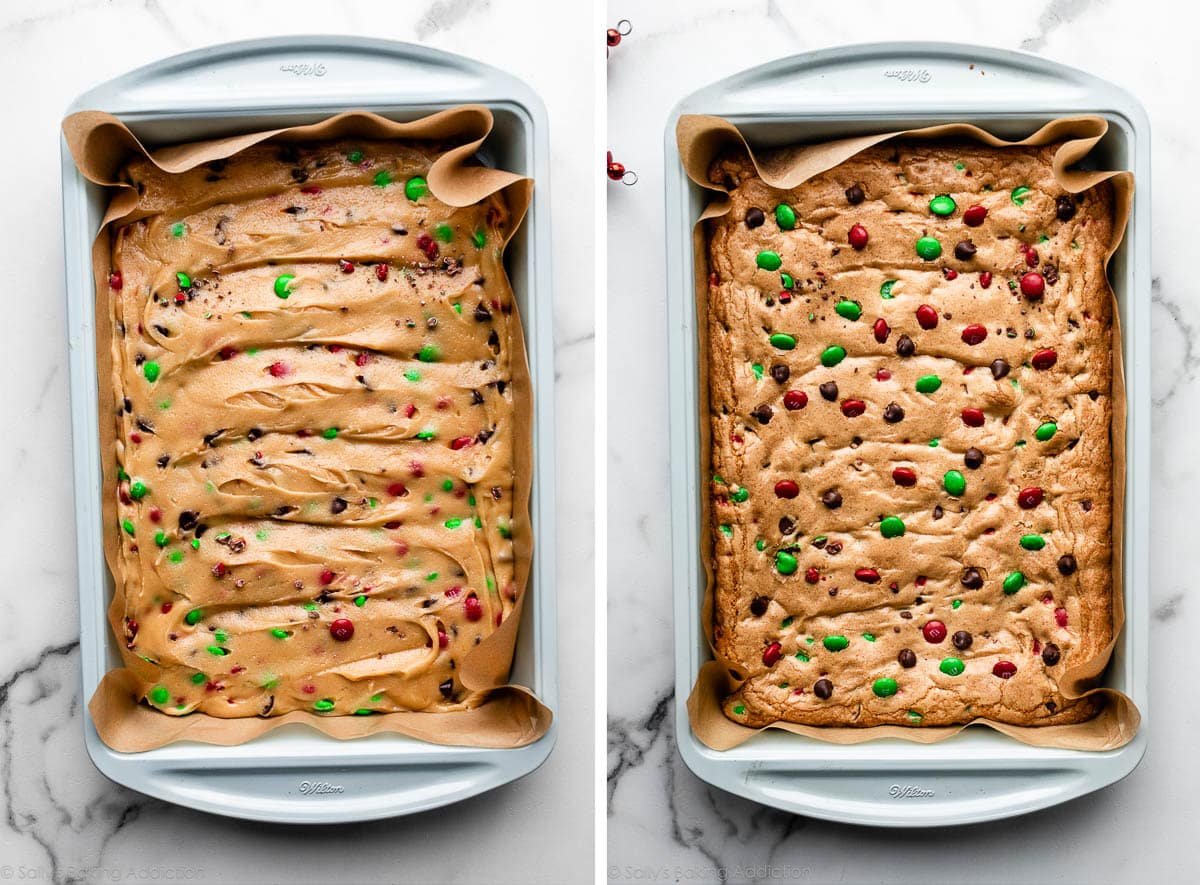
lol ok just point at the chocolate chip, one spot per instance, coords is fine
(938, 513)
(164, 460)
(823, 689)
(758, 606)
(907, 658)
(1067, 565)
(188, 520)
(253, 433)
(833, 548)
(201, 529)
(754, 217)
(962, 640)
(781, 373)
(971, 578)
(893, 413)
(1050, 274)
(965, 250)
(482, 314)
(1093, 395)
(905, 346)
(1050, 654)
(973, 458)
(1000, 368)
(855, 195)
(832, 499)
(447, 689)
(1064, 208)
(337, 505)
(786, 525)
(762, 413)
(829, 390)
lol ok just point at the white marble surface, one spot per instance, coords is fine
(662, 820)
(59, 819)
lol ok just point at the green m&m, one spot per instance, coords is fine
(785, 280)
(159, 695)
(323, 706)
(952, 666)
(1045, 431)
(835, 643)
(330, 433)
(785, 216)
(283, 284)
(885, 688)
(848, 310)
(891, 527)
(184, 281)
(942, 204)
(1032, 542)
(769, 260)
(885, 291)
(138, 490)
(415, 188)
(151, 370)
(429, 353)
(1018, 195)
(928, 384)
(739, 494)
(783, 341)
(383, 178)
(928, 248)
(193, 617)
(785, 563)
(954, 483)
(832, 355)
(1014, 582)
(161, 539)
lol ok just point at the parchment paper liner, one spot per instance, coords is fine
(701, 140)
(511, 716)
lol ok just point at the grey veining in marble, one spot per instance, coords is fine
(666, 824)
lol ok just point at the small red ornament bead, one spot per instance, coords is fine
(934, 632)
(460, 442)
(772, 653)
(858, 237)
(794, 400)
(616, 171)
(1004, 669)
(985, 279)
(949, 273)
(397, 490)
(155, 514)
(473, 608)
(882, 330)
(612, 37)
(1033, 285)
(974, 334)
(974, 216)
(867, 575)
(1044, 359)
(904, 476)
(345, 266)
(972, 417)
(278, 370)
(381, 272)
(1029, 497)
(927, 317)
(883, 375)
(786, 488)
(341, 629)
(327, 576)
(427, 245)
(114, 281)
(811, 575)
(443, 639)
(852, 408)
(1060, 617)
(1031, 256)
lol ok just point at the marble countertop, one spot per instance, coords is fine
(663, 821)
(60, 820)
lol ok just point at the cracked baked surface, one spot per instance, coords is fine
(314, 428)
(910, 375)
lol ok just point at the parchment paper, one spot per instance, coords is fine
(701, 140)
(511, 715)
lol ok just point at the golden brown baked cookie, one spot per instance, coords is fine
(910, 376)
(314, 429)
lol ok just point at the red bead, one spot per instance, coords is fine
(220, 570)
(883, 375)
(867, 575)
(155, 514)
(1033, 285)
(927, 317)
(852, 408)
(795, 399)
(345, 266)
(1031, 256)
(311, 190)
(811, 575)
(327, 576)
(342, 629)
(381, 272)
(1029, 498)
(278, 370)
(949, 273)
(934, 632)
(985, 279)
(1004, 669)
(972, 417)
(1060, 617)
(1044, 359)
(460, 442)
(452, 592)
(974, 334)
(166, 607)
(616, 171)
(974, 216)
(114, 281)
(397, 490)
(786, 488)
(904, 476)
(427, 245)
(473, 608)
(882, 330)
(772, 653)
(858, 237)
(612, 37)
(443, 639)
(227, 353)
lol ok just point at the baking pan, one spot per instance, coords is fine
(295, 774)
(979, 774)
